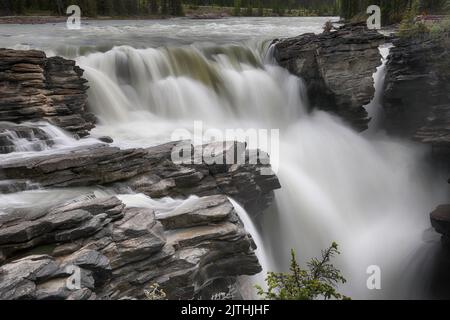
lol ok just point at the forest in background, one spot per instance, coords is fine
(392, 10)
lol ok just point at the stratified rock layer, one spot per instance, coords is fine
(119, 251)
(150, 171)
(417, 91)
(337, 68)
(34, 87)
(115, 251)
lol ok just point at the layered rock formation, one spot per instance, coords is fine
(337, 67)
(150, 171)
(118, 252)
(34, 87)
(417, 91)
(417, 101)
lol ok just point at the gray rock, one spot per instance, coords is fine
(199, 212)
(98, 164)
(416, 93)
(440, 220)
(121, 258)
(337, 67)
(34, 87)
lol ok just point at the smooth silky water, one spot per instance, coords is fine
(369, 192)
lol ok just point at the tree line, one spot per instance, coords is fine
(392, 10)
(94, 8)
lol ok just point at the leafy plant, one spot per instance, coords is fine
(318, 281)
(409, 27)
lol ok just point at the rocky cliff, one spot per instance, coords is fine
(417, 101)
(191, 250)
(337, 68)
(417, 90)
(34, 87)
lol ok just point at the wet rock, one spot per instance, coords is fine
(83, 166)
(106, 139)
(247, 181)
(195, 213)
(126, 255)
(440, 220)
(34, 87)
(417, 91)
(16, 138)
(337, 68)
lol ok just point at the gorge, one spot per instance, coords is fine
(92, 182)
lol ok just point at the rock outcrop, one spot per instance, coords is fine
(34, 87)
(117, 251)
(417, 91)
(337, 68)
(150, 171)
(417, 101)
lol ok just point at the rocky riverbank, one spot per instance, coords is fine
(193, 250)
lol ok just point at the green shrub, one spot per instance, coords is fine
(318, 281)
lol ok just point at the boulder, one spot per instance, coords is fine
(440, 220)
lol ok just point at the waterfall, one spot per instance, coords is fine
(370, 193)
(33, 138)
(247, 284)
(375, 107)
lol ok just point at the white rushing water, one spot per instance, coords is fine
(48, 140)
(368, 192)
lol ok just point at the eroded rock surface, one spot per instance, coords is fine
(337, 68)
(34, 87)
(119, 251)
(417, 91)
(150, 171)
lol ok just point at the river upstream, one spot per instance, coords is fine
(369, 192)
